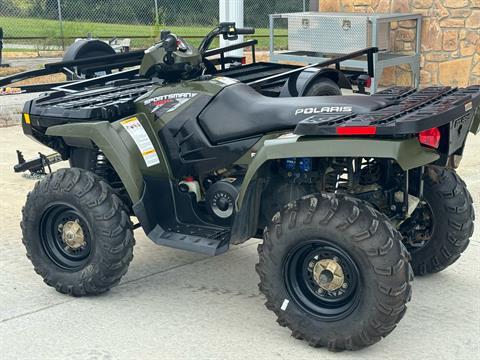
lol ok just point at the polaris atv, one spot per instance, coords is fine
(352, 195)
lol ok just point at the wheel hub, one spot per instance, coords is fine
(323, 279)
(72, 235)
(328, 274)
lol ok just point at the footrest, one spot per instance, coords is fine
(201, 239)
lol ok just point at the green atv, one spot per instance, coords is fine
(352, 195)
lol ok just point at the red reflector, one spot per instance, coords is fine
(430, 137)
(368, 82)
(356, 130)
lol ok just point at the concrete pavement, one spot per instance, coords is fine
(177, 305)
(11, 106)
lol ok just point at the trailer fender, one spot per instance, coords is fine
(298, 85)
(116, 145)
(86, 48)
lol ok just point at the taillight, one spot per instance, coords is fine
(364, 81)
(368, 82)
(430, 137)
(244, 60)
(356, 130)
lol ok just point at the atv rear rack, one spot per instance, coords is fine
(411, 112)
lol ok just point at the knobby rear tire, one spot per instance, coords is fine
(373, 243)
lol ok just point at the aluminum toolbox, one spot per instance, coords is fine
(316, 36)
(339, 33)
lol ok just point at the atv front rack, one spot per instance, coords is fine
(111, 102)
(410, 113)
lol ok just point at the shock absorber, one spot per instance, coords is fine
(102, 165)
(104, 169)
(341, 175)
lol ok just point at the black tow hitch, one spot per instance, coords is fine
(37, 166)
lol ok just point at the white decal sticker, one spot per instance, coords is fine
(139, 135)
(287, 136)
(284, 304)
(222, 80)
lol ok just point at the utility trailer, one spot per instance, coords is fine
(270, 79)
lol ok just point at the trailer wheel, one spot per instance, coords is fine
(439, 230)
(77, 232)
(334, 271)
(323, 87)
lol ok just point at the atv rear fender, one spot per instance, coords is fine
(117, 146)
(408, 153)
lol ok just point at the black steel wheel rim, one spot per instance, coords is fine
(307, 293)
(63, 256)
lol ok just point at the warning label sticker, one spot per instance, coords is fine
(139, 135)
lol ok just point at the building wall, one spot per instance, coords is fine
(450, 38)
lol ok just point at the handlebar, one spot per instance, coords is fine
(227, 29)
(173, 46)
(229, 32)
(246, 31)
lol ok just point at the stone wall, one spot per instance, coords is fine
(450, 38)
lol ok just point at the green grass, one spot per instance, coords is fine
(23, 27)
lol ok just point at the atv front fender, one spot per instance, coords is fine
(109, 141)
(407, 153)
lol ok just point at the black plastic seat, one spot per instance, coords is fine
(239, 112)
